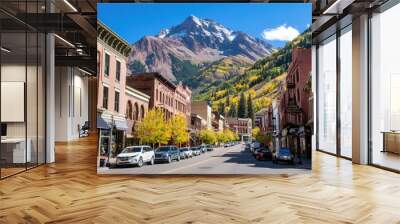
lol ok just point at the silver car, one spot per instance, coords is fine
(186, 153)
(136, 155)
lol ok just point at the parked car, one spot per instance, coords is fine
(167, 154)
(136, 155)
(196, 151)
(283, 155)
(203, 149)
(186, 153)
(209, 148)
(263, 153)
(229, 144)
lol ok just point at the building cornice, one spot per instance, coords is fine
(136, 93)
(112, 39)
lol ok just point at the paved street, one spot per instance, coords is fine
(230, 160)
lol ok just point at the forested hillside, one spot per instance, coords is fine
(261, 81)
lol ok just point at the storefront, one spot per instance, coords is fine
(111, 135)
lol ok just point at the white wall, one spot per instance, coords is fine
(71, 103)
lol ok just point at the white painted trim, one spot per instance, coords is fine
(137, 94)
(106, 85)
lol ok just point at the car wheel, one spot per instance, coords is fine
(152, 161)
(140, 162)
(169, 159)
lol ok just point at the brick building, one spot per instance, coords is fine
(137, 104)
(217, 122)
(203, 109)
(264, 119)
(241, 126)
(294, 109)
(112, 53)
(295, 100)
(170, 97)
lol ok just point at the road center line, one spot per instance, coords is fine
(194, 164)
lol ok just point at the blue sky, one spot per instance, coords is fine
(275, 23)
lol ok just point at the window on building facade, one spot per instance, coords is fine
(129, 110)
(142, 111)
(118, 71)
(107, 65)
(116, 102)
(136, 112)
(105, 97)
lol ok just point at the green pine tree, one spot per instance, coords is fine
(250, 109)
(227, 102)
(233, 111)
(221, 108)
(242, 107)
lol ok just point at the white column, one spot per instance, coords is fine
(50, 99)
(360, 90)
(314, 90)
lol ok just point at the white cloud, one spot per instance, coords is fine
(282, 33)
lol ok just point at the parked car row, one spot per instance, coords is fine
(139, 155)
(229, 144)
(264, 153)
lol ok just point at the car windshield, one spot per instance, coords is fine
(132, 149)
(184, 149)
(163, 149)
(284, 152)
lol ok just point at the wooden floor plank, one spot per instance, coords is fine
(70, 191)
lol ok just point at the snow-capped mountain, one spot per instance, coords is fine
(192, 44)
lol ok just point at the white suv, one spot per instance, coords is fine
(136, 155)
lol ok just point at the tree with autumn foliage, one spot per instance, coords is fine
(208, 136)
(230, 135)
(153, 128)
(255, 131)
(179, 132)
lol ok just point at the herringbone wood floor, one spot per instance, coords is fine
(69, 191)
